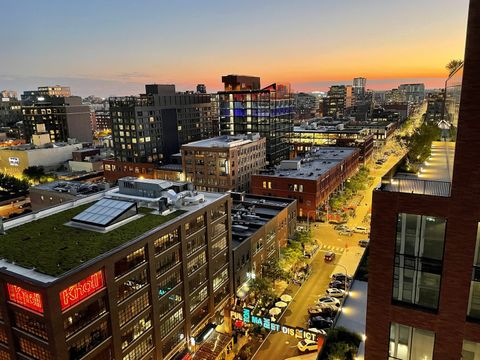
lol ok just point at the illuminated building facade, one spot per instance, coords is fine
(223, 163)
(115, 279)
(268, 111)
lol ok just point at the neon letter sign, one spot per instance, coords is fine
(79, 291)
(29, 299)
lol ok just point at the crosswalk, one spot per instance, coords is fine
(335, 249)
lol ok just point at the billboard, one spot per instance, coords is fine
(25, 298)
(81, 290)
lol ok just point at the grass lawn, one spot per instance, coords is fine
(53, 248)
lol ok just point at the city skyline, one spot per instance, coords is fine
(114, 50)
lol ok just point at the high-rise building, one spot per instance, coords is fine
(359, 84)
(10, 108)
(306, 105)
(201, 88)
(435, 106)
(338, 99)
(46, 91)
(241, 82)
(61, 117)
(424, 262)
(137, 272)
(223, 163)
(268, 111)
(151, 127)
(412, 93)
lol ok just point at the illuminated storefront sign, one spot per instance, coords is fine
(14, 161)
(79, 291)
(265, 322)
(29, 299)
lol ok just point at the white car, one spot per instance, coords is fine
(361, 230)
(307, 345)
(335, 293)
(329, 300)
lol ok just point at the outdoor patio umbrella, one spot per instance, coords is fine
(275, 311)
(281, 304)
(286, 298)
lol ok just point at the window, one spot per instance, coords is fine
(474, 298)
(220, 279)
(170, 300)
(168, 283)
(219, 245)
(408, 343)
(134, 308)
(196, 242)
(140, 350)
(82, 317)
(198, 279)
(33, 350)
(264, 184)
(218, 212)
(198, 298)
(89, 341)
(171, 322)
(167, 261)
(194, 225)
(219, 228)
(418, 259)
(196, 262)
(173, 340)
(30, 324)
(135, 330)
(470, 350)
(129, 262)
(3, 335)
(132, 285)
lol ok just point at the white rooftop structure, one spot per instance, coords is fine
(225, 141)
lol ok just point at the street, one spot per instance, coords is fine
(348, 255)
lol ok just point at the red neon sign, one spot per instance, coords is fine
(29, 299)
(79, 291)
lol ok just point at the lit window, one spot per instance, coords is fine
(408, 343)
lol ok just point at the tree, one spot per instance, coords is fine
(341, 344)
(272, 270)
(453, 65)
(10, 186)
(34, 173)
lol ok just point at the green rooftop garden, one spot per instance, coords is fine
(53, 248)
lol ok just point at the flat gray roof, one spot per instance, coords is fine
(225, 141)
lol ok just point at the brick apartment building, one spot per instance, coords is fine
(424, 263)
(223, 163)
(310, 180)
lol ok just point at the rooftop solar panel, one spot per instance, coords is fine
(104, 212)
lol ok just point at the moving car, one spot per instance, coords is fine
(335, 293)
(360, 230)
(363, 243)
(329, 300)
(320, 322)
(307, 345)
(329, 256)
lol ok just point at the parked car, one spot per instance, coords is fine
(325, 310)
(334, 292)
(363, 243)
(345, 233)
(329, 300)
(329, 256)
(320, 322)
(341, 277)
(318, 331)
(361, 230)
(337, 284)
(341, 227)
(307, 345)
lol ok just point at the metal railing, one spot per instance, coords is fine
(417, 186)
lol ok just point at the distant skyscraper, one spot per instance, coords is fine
(413, 93)
(359, 85)
(201, 88)
(44, 91)
(268, 111)
(338, 98)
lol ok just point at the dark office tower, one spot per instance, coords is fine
(338, 99)
(151, 127)
(201, 89)
(359, 85)
(268, 111)
(424, 262)
(412, 93)
(61, 117)
(137, 272)
(10, 108)
(435, 106)
(241, 82)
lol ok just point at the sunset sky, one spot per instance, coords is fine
(114, 47)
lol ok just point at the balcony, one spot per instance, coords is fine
(434, 177)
